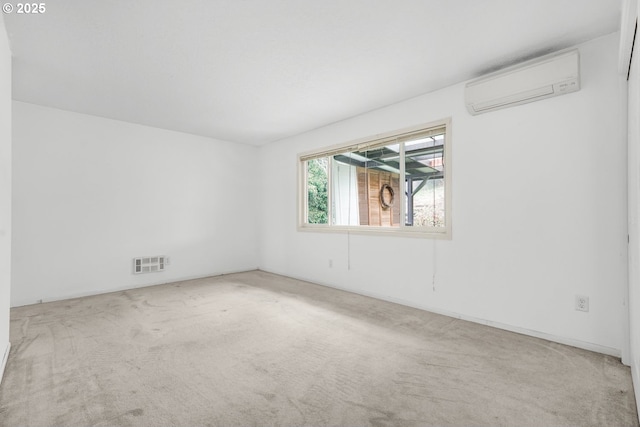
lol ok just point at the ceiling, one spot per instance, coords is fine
(256, 71)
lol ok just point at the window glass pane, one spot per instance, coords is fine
(366, 187)
(317, 196)
(344, 197)
(424, 182)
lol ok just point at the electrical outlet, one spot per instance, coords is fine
(582, 303)
(330, 263)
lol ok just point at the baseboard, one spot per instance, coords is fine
(3, 363)
(72, 295)
(635, 376)
(524, 331)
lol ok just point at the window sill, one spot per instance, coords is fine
(415, 232)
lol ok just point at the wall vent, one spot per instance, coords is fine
(149, 264)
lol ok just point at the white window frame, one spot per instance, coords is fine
(403, 230)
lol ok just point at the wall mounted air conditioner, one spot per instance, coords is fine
(550, 75)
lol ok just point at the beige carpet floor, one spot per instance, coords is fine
(257, 349)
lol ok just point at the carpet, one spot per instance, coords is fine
(258, 349)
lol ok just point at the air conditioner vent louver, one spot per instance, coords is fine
(551, 75)
(149, 264)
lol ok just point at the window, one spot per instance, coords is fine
(399, 182)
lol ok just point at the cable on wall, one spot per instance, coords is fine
(349, 220)
(433, 277)
(348, 250)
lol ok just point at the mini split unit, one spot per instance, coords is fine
(551, 75)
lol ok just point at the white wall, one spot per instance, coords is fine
(5, 193)
(539, 213)
(634, 218)
(91, 193)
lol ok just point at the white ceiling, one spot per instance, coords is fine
(255, 71)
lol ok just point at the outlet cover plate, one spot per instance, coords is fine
(582, 303)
